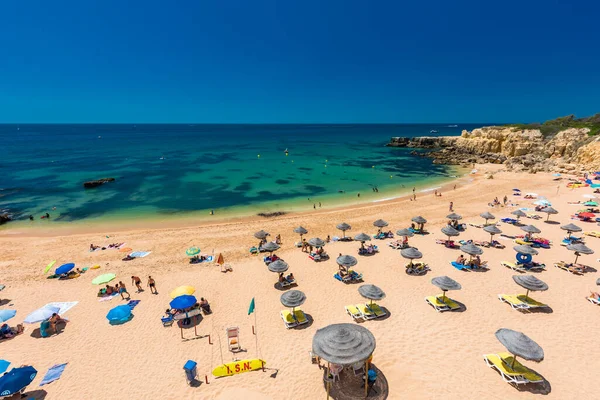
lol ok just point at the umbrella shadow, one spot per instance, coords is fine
(387, 315)
(590, 269)
(539, 310)
(37, 334)
(278, 286)
(543, 387)
(36, 394)
(351, 386)
(194, 322)
(306, 325)
(4, 302)
(552, 222)
(122, 322)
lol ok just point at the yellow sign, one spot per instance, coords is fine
(239, 367)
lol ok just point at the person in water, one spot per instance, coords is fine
(31, 217)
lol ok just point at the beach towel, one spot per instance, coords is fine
(4, 366)
(108, 298)
(133, 303)
(139, 254)
(53, 374)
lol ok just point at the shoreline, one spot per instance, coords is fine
(196, 219)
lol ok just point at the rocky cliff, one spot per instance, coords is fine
(519, 149)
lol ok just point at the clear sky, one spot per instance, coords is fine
(298, 61)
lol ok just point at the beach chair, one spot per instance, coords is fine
(375, 309)
(576, 269)
(358, 368)
(437, 303)
(365, 311)
(593, 300)
(518, 374)
(288, 319)
(513, 301)
(531, 303)
(451, 304)
(354, 312)
(300, 317)
(285, 283)
(595, 234)
(417, 268)
(233, 339)
(168, 321)
(513, 266)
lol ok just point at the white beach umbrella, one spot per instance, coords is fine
(41, 314)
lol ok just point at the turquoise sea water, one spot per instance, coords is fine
(176, 169)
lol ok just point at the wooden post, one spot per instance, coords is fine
(206, 379)
(366, 376)
(327, 378)
(209, 341)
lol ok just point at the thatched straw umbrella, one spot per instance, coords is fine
(570, 228)
(346, 261)
(549, 211)
(270, 247)
(371, 292)
(445, 283)
(530, 230)
(380, 224)
(518, 214)
(410, 253)
(487, 216)
(316, 242)
(278, 266)
(520, 345)
(362, 238)
(492, 230)
(344, 344)
(419, 220)
(471, 250)
(262, 235)
(453, 217)
(293, 299)
(449, 231)
(530, 282)
(301, 231)
(524, 249)
(579, 249)
(343, 227)
(405, 232)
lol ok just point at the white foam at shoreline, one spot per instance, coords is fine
(430, 189)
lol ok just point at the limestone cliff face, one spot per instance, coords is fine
(518, 149)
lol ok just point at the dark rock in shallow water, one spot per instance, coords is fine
(4, 218)
(96, 183)
(272, 214)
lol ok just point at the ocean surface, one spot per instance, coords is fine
(186, 169)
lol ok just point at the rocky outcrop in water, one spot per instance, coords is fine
(570, 150)
(96, 183)
(4, 218)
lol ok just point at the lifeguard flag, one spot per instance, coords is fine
(251, 309)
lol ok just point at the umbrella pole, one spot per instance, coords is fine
(512, 365)
(527, 294)
(366, 376)
(328, 383)
(443, 296)
(576, 257)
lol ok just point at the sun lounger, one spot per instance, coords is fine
(518, 374)
(365, 311)
(354, 312)
(446, 305)
(531, 303)
(300, 316)
(576, 269)
(167, 321)
(593, 300)
(595, 234)
(513, 266)
(417, 268)
(375, 309)
(351, 277)
(292, 320)
(286, 283)
(453, 305)
(513, 301)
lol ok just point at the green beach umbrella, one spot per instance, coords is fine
(192, 251)
(104, 278)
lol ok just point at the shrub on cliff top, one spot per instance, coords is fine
(553, 126)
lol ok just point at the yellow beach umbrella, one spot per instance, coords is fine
(181, 290)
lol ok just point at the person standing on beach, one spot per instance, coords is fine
(123, 289)
(314, 206)
(152, 285)
(319, 204)
(135, 280)
(505, 199)
(451, 206)
(358, 194)
(454, 187)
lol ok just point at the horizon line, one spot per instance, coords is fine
(257, 123)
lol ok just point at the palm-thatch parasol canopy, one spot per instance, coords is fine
(347, 261)
(530, 282)
(362, 237)
(261, 234)
(471, 249)
(492, 230)
(419, 220)
(446, 283)
(549, 210)
(343, 344)
(371, 292)
(530, 229)
(343, 227)
(278, 266)
(580, 248)
(411, 253)
(405, 232)
(270, 246)
(316, 242)
(453, 217)
(301, 230)
(519, 213)
(524, 249)
(571, 228)
(486, 215)
(520, 344)
(380, 223)
(293, 298)
(450, 231)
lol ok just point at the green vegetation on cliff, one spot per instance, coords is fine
(553, 126)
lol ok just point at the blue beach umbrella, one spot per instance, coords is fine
(182, 302)
(4, 365)
(16, 380)
(5, 315)
(119, 314)
(63, 269)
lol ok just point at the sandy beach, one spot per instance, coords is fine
(421, 354)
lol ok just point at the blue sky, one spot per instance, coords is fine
(305, 61)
